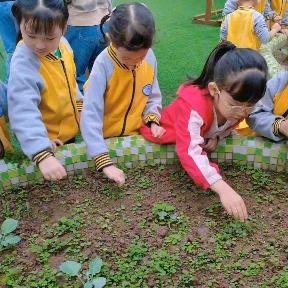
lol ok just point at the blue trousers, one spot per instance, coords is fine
(87, 43)
(8, 30)
(3, 99)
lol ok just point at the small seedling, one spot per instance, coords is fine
(72, 269)
(164, 213)
(7, 239)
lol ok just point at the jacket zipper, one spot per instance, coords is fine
(71, 100)
(130, 104)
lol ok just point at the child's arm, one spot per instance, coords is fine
(24, 97)
(79, 100)
(261, 28)
(196, 163)
(152, 112)
(110, 7)
(229, 7)
(92, 123)
(263, 121)
(285, 19)
(223, 29)
(153, 106)
(268, 12)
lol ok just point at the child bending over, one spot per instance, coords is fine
(270, 116)
(42, 88)
(207, 109)
(122, 90)
(246, 28)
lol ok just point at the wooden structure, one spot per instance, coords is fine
(206, 18)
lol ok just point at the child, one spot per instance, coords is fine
(270, 117)
(231, 5)
(207, 109)
(42, 88)
(246, 28)
(84, 33)
(7, 31)
(122, 87)
(276, 10)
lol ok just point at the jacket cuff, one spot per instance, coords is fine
(276, 127)
(79, 105)
(102, 161)
(151, 118)
(41, 156)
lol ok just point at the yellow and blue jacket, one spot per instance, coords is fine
(117, 101)
(271, 109)
(277, 8)
(42, 99)
(245, 28)
(231, 5)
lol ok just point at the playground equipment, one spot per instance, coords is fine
(206, 18)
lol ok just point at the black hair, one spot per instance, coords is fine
(43, 15)
(242, 72)
(131, 26)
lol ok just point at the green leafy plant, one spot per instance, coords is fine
(7, 239)
(72, 269)
(164, 213)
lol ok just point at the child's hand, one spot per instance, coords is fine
(276, 28)
(157, 131)
(210, 145)
(115, 174)
(231, 200)
(284, 128)
(277, 19)
(52, 169)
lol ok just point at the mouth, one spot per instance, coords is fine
(41, 52)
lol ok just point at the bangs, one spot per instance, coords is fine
(248, 86)
(43, 21)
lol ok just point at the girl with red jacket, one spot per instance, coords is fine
(207, 109)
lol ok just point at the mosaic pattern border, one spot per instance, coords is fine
(133, 150)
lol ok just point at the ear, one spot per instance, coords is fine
(109, 38)
(212, 89)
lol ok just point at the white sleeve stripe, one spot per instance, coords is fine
(195, 150)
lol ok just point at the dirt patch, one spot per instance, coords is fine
(159, 230)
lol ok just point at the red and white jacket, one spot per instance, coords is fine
(189, 120)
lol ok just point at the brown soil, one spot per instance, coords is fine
(224, 252)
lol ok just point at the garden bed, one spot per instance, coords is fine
(159, 230)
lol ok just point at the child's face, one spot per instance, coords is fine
(131, 58)
(228, 107)
(42, 44)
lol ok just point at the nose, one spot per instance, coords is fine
(40, 45)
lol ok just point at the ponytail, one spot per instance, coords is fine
(103, 21)
(207, 74)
